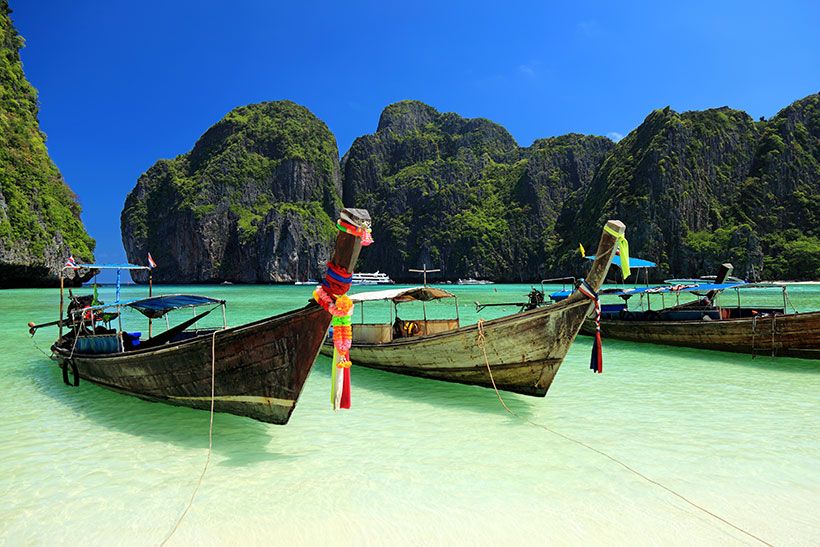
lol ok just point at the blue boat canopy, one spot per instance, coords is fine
(662, 289)
(633, 262)
(157, 306)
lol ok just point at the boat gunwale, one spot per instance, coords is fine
(63, 353)
(682, 322)
(560, 307)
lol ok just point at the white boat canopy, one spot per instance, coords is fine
(423, 294)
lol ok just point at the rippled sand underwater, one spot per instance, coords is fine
(418, 461)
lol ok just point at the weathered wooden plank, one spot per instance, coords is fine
(793, 335)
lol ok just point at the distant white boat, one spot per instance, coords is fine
(376, 278)
(308, 282)
(472, 281)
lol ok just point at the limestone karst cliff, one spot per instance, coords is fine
(40, 222)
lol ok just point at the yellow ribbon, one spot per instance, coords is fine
(623, 249)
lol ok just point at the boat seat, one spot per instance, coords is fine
(99, 343)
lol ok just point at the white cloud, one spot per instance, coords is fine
(527, 70)
(588, 28)
(615, 136)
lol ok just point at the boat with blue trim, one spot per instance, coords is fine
(255, 370)
(716, 319)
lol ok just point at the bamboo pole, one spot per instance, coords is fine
(150, 294)
(62, 286)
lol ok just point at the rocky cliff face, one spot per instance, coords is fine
(460, 195)
(40, 222)
(254, 199)
(700, 188)
(252, 202)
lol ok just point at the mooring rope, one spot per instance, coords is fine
(789, 300)
(76, 337)
(754, 332)
(33, 341)
(482, 344)
(210, 442)
(774, 317)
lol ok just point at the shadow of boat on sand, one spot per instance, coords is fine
(435, 393)
(241, 441)
(791, 365)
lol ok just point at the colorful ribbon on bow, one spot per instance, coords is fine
(596, 361)
(342, 312)
(364, 232)
(337, 280)
(331, 294)
(623, 249)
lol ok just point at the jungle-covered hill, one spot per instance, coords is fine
(254, 201)
(695, 189)
(461, 195)
(700, 188)
(39, 214)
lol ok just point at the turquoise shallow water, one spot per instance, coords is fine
(418, 461)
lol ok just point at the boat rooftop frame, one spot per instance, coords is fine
(123, 266)
(184, 301)
(400, 296)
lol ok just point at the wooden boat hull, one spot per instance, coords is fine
(524, 351)
(260, 367)
(792, 335)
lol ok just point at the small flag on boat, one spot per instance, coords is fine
(581, 249)
(71, 263)
(151, 262)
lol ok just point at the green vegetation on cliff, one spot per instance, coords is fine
(459, 194)
(39, 215)
(254, 200)
(699, 188)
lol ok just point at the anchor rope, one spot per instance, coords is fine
(754, 332)
(210, 443)
(481, 341)
(33, 341)
(774, 318)
(76, 337)
(789, 300)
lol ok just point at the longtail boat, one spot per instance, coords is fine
(519, 353)
(256, 370)
(714, 321)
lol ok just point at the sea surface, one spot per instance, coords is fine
(417, 461)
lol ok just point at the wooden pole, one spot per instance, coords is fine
(62, 286)
(150, 294)
(424, 271)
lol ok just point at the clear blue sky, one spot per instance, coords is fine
(123, 84)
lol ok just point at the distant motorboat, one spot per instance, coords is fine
(376, 278)
(308, 282)
(472, 281)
